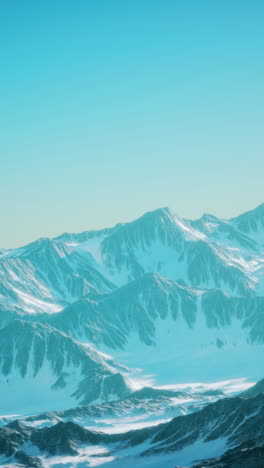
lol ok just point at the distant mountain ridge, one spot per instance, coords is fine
(206, 253)
(222, 429)
(163, 287)
(111, 325)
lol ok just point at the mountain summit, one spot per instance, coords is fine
(146, 323)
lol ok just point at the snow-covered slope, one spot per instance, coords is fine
(176, 328)
(183, 441)
(251, 223)
(161, 242)
(49, 274)
(45, 276)
(181, 300)
(133, 308)
(44, 368)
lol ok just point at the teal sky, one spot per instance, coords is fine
(113, 108)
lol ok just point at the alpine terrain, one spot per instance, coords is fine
(137, 345)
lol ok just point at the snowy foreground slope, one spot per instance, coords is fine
(128, 328)
(220, 429)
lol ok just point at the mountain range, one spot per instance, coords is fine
(117, 323)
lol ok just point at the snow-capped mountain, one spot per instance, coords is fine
(176, 328)
(160, 285)
(46, 275)
(93, 318)
(173, 247)
(145, 407)
(251, 223)
(221, 429)
(136, 307)
(52, 370)
(49, 274)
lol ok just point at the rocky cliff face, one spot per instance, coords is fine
(92, 318)
(47, 365)
(230, 428)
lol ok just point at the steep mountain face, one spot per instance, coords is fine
(174, 301)
(255, 390)
(45, 276)
(234, 420)
(248, 454)
(224, 232)
(133, 308)
(52, 370)
(223, 428)
(251, 223)
(148, 404)
(163, 243)
(161, 319)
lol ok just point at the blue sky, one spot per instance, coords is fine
(113, 108)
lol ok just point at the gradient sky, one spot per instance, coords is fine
(113, 108)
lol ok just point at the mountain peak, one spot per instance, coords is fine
(250, 222)
(208, 217)
(258, 210)
(159, 213)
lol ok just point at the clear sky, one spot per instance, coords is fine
(111, 108)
